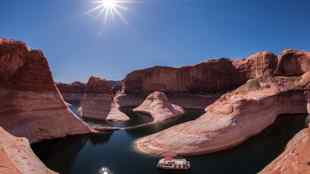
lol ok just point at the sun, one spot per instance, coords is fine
(111, 8)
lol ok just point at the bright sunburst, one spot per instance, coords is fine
(111, 8)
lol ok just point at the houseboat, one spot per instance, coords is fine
(173, 163)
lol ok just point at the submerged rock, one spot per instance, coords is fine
(97, 99)
(16, 156)
(158, 106)
(30, 104)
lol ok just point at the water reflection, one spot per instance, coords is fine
(100, 140)
(60, 154)
(87, 154)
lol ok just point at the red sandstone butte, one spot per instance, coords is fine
(30, 103)
(16, 156)
(158, 106)
(97, 100)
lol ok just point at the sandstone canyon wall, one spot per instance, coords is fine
(72, 93)
(199, 85)
(16, 156)
(30, 103)
(97, 100)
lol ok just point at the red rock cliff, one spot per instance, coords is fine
(208, 77)
(30, 104)
(97, 99)
(73, 92)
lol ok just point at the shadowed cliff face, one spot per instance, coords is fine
(97, 100)
(213, 76)
(30, 104)
(72, 93)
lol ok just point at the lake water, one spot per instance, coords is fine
(87, 154)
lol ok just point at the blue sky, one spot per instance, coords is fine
(159, 32)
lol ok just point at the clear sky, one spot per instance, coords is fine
(159, 32)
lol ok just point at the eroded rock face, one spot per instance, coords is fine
(261, 64)
(72, 93)
(30, 104)
(293, 62)
(115, 113)
(295, 158)
(97, 99)
(16, 156)
(229, 121)
(158, 106)
(207, 77)
(199, 85)
(212, 76)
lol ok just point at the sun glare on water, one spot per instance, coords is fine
(111, 8)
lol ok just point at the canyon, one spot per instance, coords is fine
(241, 97)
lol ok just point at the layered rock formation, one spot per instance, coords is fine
(30, 104)
(208, 77)
(229, 121)
(261, 64)
(72, 93)
(296, 156)
(115, 113)
(16, 156)
(199, 85)
(295, 159)
(158, 106)
(293, 62)
(97, 99)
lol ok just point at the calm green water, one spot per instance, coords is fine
(87, 154)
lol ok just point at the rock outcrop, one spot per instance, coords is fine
(30, 103)
(229, 121)
(158, 106)
(97, 99)
(293, 62)
(72, 93)
(16, 156)
(115, 113)
(296, 157)
(261, 64)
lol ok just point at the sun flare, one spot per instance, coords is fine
(110, 8)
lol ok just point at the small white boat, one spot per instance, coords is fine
(171, 163)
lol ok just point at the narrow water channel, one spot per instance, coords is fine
(87, 154)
